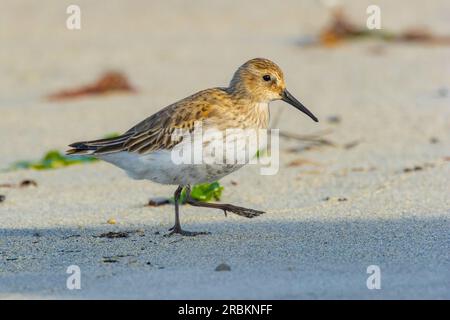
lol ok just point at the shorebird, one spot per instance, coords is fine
(144, 151)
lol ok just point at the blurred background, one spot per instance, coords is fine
(170, 49)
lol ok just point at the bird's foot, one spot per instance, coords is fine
(241, 211)
(178, 230)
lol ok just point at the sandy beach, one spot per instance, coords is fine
(378, 195)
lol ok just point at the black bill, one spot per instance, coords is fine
(289, 98)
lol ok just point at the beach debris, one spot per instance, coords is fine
(362, 169)
(7, 185)
(120, 234)
(422, 35)
(415, 168)
(334, 119)
(223, 267)
(312, 141)
(312, 172)
(22, 184)
(351, 144)
(341, 29)
(116, 258)
(338, 199)
(158, 201)
(71, 236)
(315, 141)
(111, 81)
(233, 183)
(53, 159)
(111, 135)
(315, 138)
(111, 221)
(114, 235)
(150, 264)
(302, 162)
(2, 197)
(434, 140)
(28, 183)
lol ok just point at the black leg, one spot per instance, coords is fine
(177, 226)
(241, 211)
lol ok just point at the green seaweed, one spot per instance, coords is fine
(54, 159)
(202, 192)
(111, 135)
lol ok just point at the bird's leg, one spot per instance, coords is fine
(240, 211)
(177, 226)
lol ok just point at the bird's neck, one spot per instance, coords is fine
(256, 113)
(249, 106)
(261, 114)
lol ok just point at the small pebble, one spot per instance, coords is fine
(28, 183)
(443, 92)
(416, 168)
(223, 267)
(112, 221)
(434, 140)
(351, 144)
(340, 199)
(334, 119)
(2, 198)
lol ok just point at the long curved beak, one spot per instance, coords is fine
(289, 98)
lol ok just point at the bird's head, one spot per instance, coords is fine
(263, 81)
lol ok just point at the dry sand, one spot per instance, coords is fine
(392, 103)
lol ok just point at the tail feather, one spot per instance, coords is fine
(98, 146)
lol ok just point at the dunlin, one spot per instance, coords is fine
(144, 151)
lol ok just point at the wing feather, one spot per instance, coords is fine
(156, 132)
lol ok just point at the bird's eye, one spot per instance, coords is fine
(266, 77)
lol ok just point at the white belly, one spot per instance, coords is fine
(167, 167)
(159, 167)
